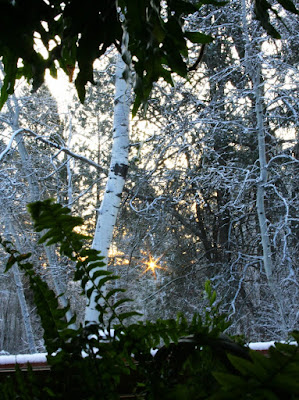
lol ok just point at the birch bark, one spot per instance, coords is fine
(253, 67)
(34, 192)
(68, 164)
(20, 292)
(107, 213)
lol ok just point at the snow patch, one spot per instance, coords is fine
(266, 345)
(42, 357)
(261, 345)
(23, 359)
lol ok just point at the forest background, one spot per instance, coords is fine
(211, 190)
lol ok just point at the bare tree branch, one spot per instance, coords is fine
(52, 144)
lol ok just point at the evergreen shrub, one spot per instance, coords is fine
(194, 359)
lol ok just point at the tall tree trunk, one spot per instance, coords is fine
(108, 210)
(263, 178)
(253, 67)
(24, 309)
(68, 164)
(20, 291)
(34, 194)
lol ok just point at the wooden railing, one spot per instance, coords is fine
(38, 361)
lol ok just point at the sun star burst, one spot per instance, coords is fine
(152, 266)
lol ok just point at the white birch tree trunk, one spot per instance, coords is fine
(34, 193)
(253, 67)
(68, 164)
(263, 178)
(24, 309)
(20, 290)
(110, 204)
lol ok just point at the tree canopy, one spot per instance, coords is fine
(76, 34)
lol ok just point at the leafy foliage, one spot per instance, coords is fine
(194, 360)
(260, 377)
(262, 8)
(75, 34)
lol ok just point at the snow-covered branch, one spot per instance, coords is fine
(51, 144)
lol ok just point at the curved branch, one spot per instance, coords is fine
(52, 144)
